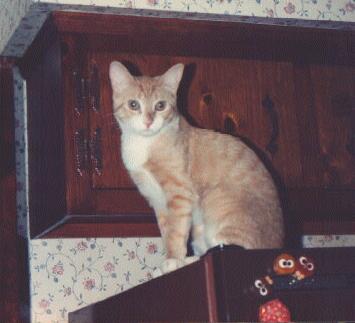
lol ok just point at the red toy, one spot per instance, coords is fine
(304, 268)
(274, 311)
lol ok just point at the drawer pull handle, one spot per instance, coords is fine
(80, 151)
(94, 89)
(79, 90)
(96, 151)
(272, 146)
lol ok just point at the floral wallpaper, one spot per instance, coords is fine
(21, 153)
(311, 11)
(67, 274)
(11, 13)
(305, 9)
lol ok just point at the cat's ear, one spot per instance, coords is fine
(172, 77)
(119, 75)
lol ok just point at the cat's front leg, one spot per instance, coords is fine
(175, 232)
(173, 210)
(175, 249)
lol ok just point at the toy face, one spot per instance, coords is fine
(305, 267)
(262, 287)
(284, 264)
(306, 263)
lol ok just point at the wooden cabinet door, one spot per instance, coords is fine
(96, 181)
(107, 168)
(254, 100)
(334, 102)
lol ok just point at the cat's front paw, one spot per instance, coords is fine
(171, 264)
(190, 260)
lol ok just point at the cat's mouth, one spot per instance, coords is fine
(149, 132)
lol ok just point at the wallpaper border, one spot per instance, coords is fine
(38, 13)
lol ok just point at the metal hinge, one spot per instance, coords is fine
(86, 149)
(87, 97)
(87, 90)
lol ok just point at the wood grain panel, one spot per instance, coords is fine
(188, 37)
(46, 142)
(334, 97)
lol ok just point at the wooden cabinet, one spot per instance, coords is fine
(334, 101)
(287, 91)
(220, 288)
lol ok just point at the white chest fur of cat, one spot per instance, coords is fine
(197, 181)
(135, 152)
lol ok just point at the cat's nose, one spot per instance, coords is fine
(148, 122)
(148, 119)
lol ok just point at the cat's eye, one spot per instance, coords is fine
(133, 105)
(160, 106)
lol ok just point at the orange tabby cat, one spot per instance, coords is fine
(194, 179)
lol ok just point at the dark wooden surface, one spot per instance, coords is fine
(46, 141)
(184, 37)
(334, 101)
(219, 288)
(14, 286)
(239, 269)
(287, 91)
(130, 225)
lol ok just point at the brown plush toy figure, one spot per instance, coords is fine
(284, 264)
